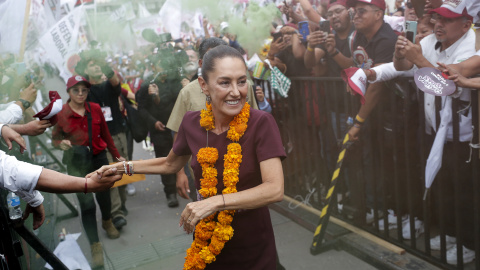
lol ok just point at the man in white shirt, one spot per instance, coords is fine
(25, 179)
(12, 112)
(453, 42)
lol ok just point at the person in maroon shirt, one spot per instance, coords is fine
(260, 180)
(72, 131)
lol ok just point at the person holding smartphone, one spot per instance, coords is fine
(286, 53)
(332, 44)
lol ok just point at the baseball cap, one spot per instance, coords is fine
(453, 9)
(74, 80)
(338, 2)
(357, 80)
(51, 110)
(379, 3)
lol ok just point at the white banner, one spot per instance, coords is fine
(12, 15)
(123, 13)
(152, 22)
(61, 41)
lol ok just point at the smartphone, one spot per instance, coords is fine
(303, 29)
(325, 26)
(410, 30)
(276, 36)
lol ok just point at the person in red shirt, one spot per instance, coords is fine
(71, 133)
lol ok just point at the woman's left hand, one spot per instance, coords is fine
(196, 211)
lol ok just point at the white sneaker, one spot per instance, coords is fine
(435, 242)
(370, 216)
(419, 228)
(131, 189)
(468, 255)
(392, 221)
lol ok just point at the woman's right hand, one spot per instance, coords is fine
(65, 145)
(102, 181)
(117, 166)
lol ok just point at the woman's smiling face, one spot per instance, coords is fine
(227, 86)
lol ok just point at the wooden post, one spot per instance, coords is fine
(25, 30)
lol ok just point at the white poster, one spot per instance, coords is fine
(12, 15)
(152, 22)
(61, 41)
(123, 13)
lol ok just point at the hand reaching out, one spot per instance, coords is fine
(29, 93)
(10, 135)
(36, 127)
(103, 179)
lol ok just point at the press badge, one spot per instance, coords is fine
(107, 113)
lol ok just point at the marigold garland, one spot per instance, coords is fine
(211, 235)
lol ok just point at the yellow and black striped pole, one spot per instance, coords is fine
(325, 215)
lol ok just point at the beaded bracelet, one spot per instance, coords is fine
(130, 168)
(124, 167)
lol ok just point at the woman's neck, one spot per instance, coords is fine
(222, 124)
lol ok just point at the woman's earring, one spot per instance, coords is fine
(248, 99)
(209, 99)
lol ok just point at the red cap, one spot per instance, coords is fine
(357, 80)
(379, 3)
(54, 107)
(338, 2)
(74, 80)
(453, 9)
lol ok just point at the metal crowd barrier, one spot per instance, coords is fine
(384, 170)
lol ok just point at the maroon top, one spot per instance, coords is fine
(253, 242)
(74, 127)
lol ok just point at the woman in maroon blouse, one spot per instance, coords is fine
(224, 83)
(71, 131)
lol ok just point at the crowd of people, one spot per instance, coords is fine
(149, 94)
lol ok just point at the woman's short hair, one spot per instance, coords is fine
(216, 53)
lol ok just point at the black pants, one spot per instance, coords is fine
(445, 189)
(88, 208)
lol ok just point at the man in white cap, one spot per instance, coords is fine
(453, 42)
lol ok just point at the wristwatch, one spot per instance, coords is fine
(25, 104)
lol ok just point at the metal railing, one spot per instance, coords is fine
(383, 170)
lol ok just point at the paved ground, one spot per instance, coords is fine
(153, 240)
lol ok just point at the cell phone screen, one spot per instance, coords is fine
(325, 26)
(409, 35)
(276, 36)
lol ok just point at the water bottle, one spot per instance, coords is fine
(14, 209)
(350, 121)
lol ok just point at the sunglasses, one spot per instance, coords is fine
(361, 11)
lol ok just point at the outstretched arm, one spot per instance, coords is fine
(55, 182)
(165, 165)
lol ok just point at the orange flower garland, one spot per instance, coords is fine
(201, 251)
